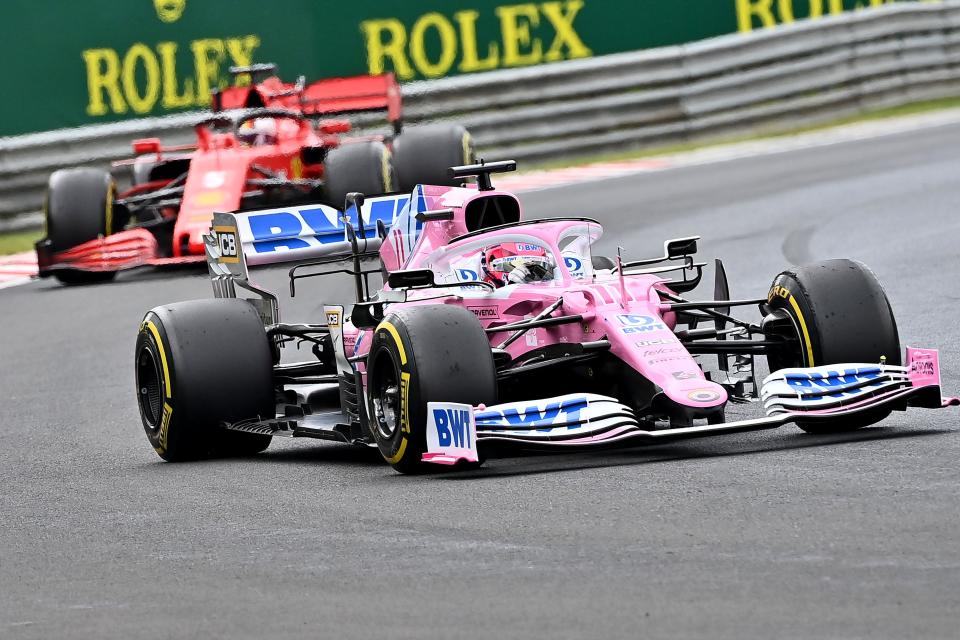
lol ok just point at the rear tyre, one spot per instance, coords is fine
(357, 166)
(839, 313)
(602, 262)
(424, 154)
(79, 208)
(199, 363)
(430, 353)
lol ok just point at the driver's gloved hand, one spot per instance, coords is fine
(519, 275)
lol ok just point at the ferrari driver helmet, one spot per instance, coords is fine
(258, 131)
(516, 263)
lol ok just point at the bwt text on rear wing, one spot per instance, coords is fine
(296, 234)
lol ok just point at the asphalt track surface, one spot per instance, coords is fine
(773, 534)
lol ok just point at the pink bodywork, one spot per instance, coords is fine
(626, 311)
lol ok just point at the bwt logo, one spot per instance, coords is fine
(467, 275)
(637, 324)
(532, 416)
(453, 427)
(574, 265)
(278, 230)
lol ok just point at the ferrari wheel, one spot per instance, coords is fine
(79, 208)
(200, 363)
(430, 353)
(838, 313)
(357, 166)
(424, 154)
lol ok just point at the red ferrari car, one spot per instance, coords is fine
(269, 144)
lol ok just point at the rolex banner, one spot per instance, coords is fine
(93, 61)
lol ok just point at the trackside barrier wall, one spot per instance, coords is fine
(799, 74)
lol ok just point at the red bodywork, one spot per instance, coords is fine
(223, 170)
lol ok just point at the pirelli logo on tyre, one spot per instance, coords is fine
(778, 291)
(405, 402)
(229, 244)
(165, 426)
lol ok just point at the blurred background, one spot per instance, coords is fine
(543, 82)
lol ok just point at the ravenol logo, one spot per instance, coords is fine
(637, 324)
(453, 427)
(564, 412)
(170, 10)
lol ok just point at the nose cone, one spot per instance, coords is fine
(697, 394)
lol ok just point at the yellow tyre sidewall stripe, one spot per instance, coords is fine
(392, 330)
(152, 328)
(467, 143)
(387, 169)
(803, 329)
(108, 209)
(167, 414)
(404, 392)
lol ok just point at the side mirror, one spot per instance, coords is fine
(331, 127)
(146, 145)
(355, 199)
(411, 279)
(681, 247)
(437, 214)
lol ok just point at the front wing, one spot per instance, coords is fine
(123, 250)
(579, 421)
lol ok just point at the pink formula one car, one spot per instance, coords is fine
(492, 331)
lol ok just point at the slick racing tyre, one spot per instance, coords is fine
(430, 353)
(79, 208)
(602, 262)
(839, 313)
(199, 363)
(424, 154)
(357, 166)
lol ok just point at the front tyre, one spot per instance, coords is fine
(199, 363)
(839, 313)
(79, 207)
(429, 353)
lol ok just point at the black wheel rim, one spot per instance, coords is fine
(385, 396)
(149, 388)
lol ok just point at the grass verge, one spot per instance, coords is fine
(18, 241)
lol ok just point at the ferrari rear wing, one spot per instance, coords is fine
(323, 97)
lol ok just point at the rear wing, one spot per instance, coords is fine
(291, 234)
(296, 233)
(320, 98)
